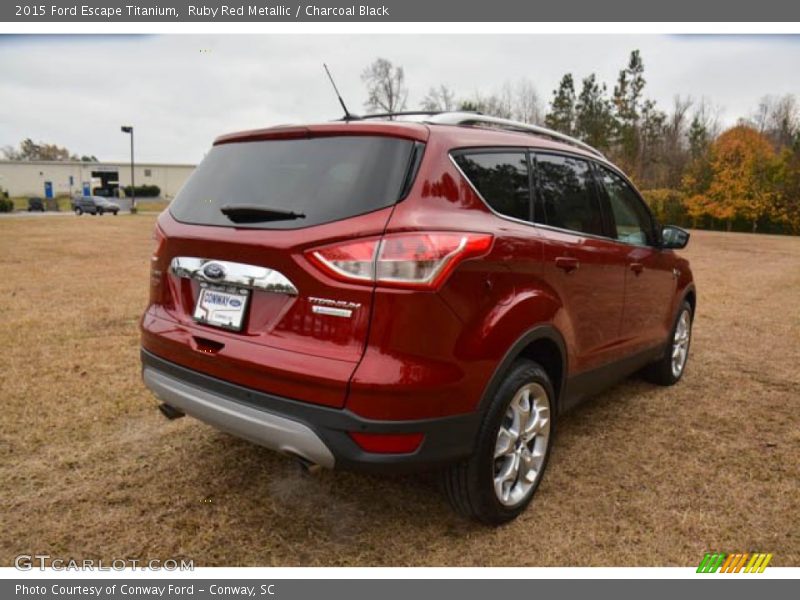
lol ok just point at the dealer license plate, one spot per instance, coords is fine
(221, 306)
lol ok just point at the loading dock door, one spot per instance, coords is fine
(109, 181)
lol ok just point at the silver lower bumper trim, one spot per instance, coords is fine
(266, 429)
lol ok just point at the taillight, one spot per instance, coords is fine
(157, 268)
(421, 260)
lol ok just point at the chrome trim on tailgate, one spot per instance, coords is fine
(224, 272)
(261, 427)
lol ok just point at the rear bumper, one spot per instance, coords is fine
(317, 433)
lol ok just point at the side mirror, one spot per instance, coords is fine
(674, 237)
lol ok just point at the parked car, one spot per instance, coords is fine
(36, 204)
(388, 295)
(94, 205)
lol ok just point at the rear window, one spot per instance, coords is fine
(326, 179)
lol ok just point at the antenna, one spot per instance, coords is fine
(347, 115)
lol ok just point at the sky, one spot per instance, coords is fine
(181, 91)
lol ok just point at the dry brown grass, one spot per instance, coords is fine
(639, 476)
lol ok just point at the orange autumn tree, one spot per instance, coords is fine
(739, 178)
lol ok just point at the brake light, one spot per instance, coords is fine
(421, 260)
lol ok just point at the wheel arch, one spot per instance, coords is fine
(687, 294)
(690, 296)
(543, 344)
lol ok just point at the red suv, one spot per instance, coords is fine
(389, 293)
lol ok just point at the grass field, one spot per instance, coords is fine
(639, 476)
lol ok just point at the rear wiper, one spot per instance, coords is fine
(249, 213)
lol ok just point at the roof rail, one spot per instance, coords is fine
(402, 113)
(477, 119)
(406, 113)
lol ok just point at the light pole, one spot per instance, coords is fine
(129, 129)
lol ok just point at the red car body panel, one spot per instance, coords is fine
(410, 355)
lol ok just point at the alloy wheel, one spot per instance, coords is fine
(680, 343)
(521, 445)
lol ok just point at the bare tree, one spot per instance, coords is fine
(440, 98)
(779, 118)
(30, 150)
(527, 105)
(675, 148)
(761, 114)
(386, 87)
(505, 101)
(9, 152)
(498, 104)
(708, 115)
(494, 105)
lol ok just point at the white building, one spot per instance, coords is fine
(57, 178)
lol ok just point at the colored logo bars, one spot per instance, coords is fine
(734, 563)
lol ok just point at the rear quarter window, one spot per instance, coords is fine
(501, 178)
(326, 179)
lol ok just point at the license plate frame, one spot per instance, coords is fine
(216, 306)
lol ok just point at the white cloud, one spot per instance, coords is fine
(180, 91)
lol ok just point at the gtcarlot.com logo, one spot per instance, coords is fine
(743, 562)
(28, 562)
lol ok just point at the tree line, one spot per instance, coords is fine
(690, 170)
(30, 150)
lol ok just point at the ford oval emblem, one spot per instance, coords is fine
(235, 303)
(214, 271)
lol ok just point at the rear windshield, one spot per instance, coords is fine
(326, 179)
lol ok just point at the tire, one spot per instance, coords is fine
(99, 212)
(79, 211)
(665, 371)
(115, 212)
(475, 486)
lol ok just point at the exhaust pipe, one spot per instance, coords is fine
(170, 411)
(306, 465)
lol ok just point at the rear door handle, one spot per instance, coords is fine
(637, 268)
(567, 263)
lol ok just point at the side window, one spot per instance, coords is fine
(502, 180)
(567, 192)
(633, 225)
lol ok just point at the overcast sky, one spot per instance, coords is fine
(180, 91)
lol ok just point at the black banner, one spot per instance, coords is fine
(730, 588)
(400, 11)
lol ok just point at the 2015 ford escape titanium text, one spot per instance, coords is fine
(387, 294)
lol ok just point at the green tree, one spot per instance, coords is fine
(594, 117)
(562, 107)
(627, 99)
(650, 160)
